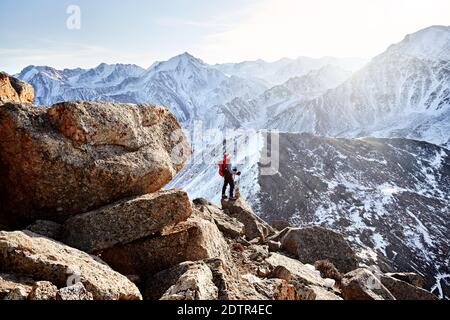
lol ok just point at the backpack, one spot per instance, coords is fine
(223, 166)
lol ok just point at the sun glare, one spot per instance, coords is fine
(278, 28)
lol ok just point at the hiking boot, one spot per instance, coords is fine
(224, 197)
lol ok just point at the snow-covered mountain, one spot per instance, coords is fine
(53, 85)
(282, 70)
(404, 92)
(187, 85)
(192, 89)
(255, 113)
(391, 197)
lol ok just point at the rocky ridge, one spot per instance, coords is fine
(15, 90)
(85, 217)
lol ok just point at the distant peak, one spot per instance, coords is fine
(186, 56)
(436, 30)
(171, 64)
(431, 43)
(102, 66)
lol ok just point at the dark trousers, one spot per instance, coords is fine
(228, 180)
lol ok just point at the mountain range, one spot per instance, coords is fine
(187, 85)
(403, 92)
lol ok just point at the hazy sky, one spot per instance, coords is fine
(142, 31)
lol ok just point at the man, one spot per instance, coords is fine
(226, 171)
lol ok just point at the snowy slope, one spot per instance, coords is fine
(255, 113)
(431, 43)
(200, 175)
(404, 92)
(280, 71)
(390, 197)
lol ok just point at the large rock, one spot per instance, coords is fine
(316, 243)
(127, 220)
(409, 277)
(229, 226)
(44, 259)
(307, 281)
(322, 293)
(77, 156)
(276, 289)
(160, 282)
(15, 90)
(228, 281)
(10, 282)
(196, 283)
(43, 290)
(255, 227)
(18, 293)
(280, 224)
(362, 284)
(298, 270)
(49, 229)
(74, 292)
(402, 290)
(192, 240)
(304, 288)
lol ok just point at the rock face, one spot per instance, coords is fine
(127, 220)
(43, 290)
(227, 284)
(306, 280)
(276, 289)
(47, 229)
(14, 90)
(297, 269)
(18, 293)
(229, 226)
(159, 283)
(44, 259)
(76, 156)
(402, 290)
(10, 282)
(346, 185)
(255, 227)
(196, 283)
(322, 293)
(409, 277)
(192, 240)
(74, 292)
(362, 284)
(316, 243)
